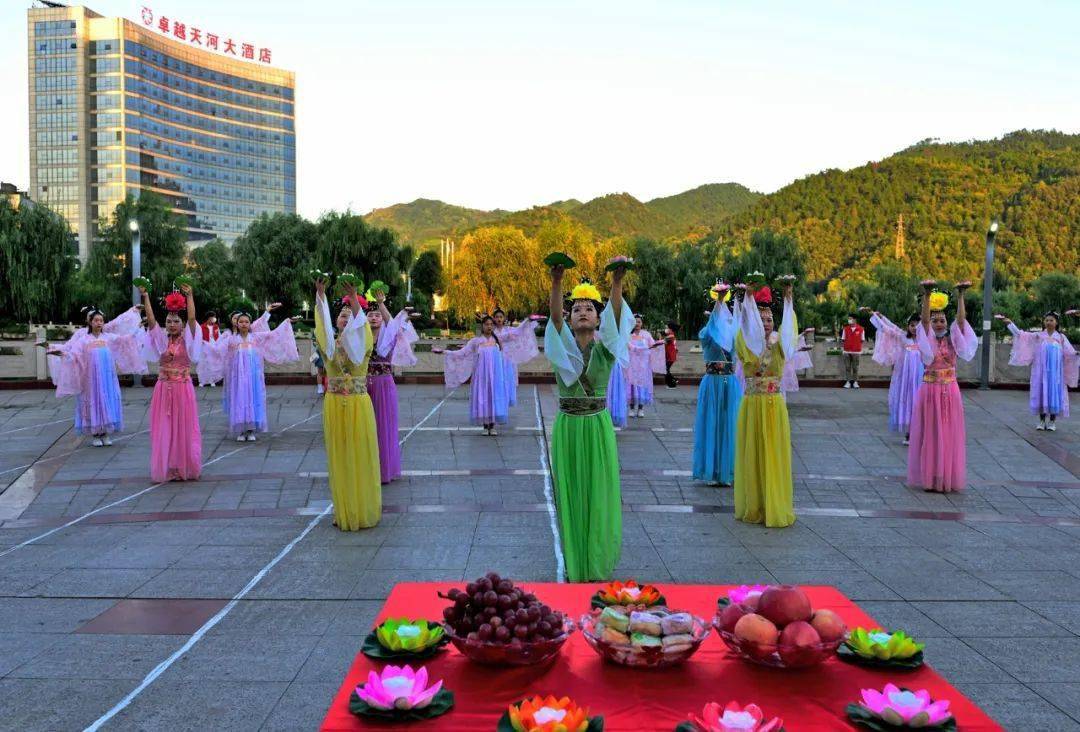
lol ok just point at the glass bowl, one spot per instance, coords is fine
(768, 654)
(507, 654)
(638, 657)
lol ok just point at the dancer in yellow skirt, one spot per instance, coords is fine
(763, 485)
(352, 446)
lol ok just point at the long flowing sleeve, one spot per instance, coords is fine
(324, 329)
(789, 330)
(752, 329)
(277, 345)
(656, 356)
(1072, 362)
(193, 342)
(616, 335)
(126, 323)
(520, 344)
(1025, 346)
(563, 353)
(154, 343)
(889, 343)
(215, 358)
(925, 341)
(964, 340)
(642, 360)
(355, 338)
(262, 323)
(68, 370)
(460, 364)
(126, 352)
(719, 328)
(396, 339)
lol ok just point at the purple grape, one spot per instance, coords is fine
(502, 634)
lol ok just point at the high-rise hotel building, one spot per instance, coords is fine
(119, 107)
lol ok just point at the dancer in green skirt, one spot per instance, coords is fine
(584, 458)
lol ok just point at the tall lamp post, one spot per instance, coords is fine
(136, 259)
(987, 308)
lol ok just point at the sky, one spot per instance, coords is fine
(513, 104)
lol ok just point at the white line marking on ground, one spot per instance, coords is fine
(549, 491)
(209, 624)
(198, 635)
(426, 418)
(144, 491)
(35, 426)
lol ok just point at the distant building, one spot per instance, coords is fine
(14, 196)
(118, 107)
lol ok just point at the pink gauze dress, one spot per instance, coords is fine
(937, 456)
(175, 438)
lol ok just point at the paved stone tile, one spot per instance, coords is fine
(1034, 585)
(230, 657)
(44, 705)
(1033, 660)
(199, 705)
(310, 580)
(100, 657)
(331, 658)
(17, 649)
(990, 620)
(93, 583)
(1015, 706)
(212, 584)
(252, 617)
(939, 585)
(53, 615)
(903, 616)
(1065, 614)
(856, 584)
(301, 707)
(1065, 697)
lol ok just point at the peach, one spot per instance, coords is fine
(731, 614)
(785, 604)
(828, 625)
(758, 634)
(798, 643)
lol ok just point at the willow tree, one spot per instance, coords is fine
(495, 266)
(36, 262)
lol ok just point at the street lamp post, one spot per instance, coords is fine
(136, 259)
(988, 297)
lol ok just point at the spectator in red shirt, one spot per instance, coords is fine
(671, 353)
(210, 330)
(852, 337)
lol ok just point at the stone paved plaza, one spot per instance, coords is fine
(104, 575)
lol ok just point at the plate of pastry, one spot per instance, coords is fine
(653, 638)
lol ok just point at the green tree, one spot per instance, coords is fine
(1056, 291)
(427, 273)
(36, 263)
(216, 276)
(496, 265)
(347, 243)
(892, 291)
(105, 281)
(274, 259)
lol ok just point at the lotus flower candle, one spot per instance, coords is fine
(900, 708)
(629, 593)
(735, 718)
(548, 714)
(398, 688)
(742, 593)
(400, 634)
(883, 645)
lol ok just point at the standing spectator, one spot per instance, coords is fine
(852, 336)
(210, 333)
(671, 353)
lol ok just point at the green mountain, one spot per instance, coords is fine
(705, 205)
(846, 221)
(425, 221)
(620, 214)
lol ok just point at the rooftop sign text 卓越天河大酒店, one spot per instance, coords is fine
(203, 38)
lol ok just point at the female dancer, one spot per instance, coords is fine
(352, 447)
(898, 348)
(393, 347)
(618, 394)
(1053, 364)
(789, 382)
(240, 355)
(86, 367)
(175, 438)
(719, 397)
(584, 457)
(763, 485)
(646, 359)
(937, 457)
(518, 346)
(481, 359)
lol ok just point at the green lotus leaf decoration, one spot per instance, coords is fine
(402, 634)
(883, 645)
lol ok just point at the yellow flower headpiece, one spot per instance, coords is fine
(938, 300)
(586, 291)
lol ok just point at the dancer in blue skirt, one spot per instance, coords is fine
(718, 396)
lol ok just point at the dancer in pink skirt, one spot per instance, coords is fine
(175, 438)
(937, 454)
(646, 359)
(394, 337)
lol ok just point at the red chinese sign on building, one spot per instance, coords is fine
(203, 38)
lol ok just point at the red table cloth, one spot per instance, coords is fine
(639, 699)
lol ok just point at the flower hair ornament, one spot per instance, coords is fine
(763, 296)
(175, 302)
(586, 291)
(938, 301)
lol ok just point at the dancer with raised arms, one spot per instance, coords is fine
(719, 395)
(481, 360)
(898, 347)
